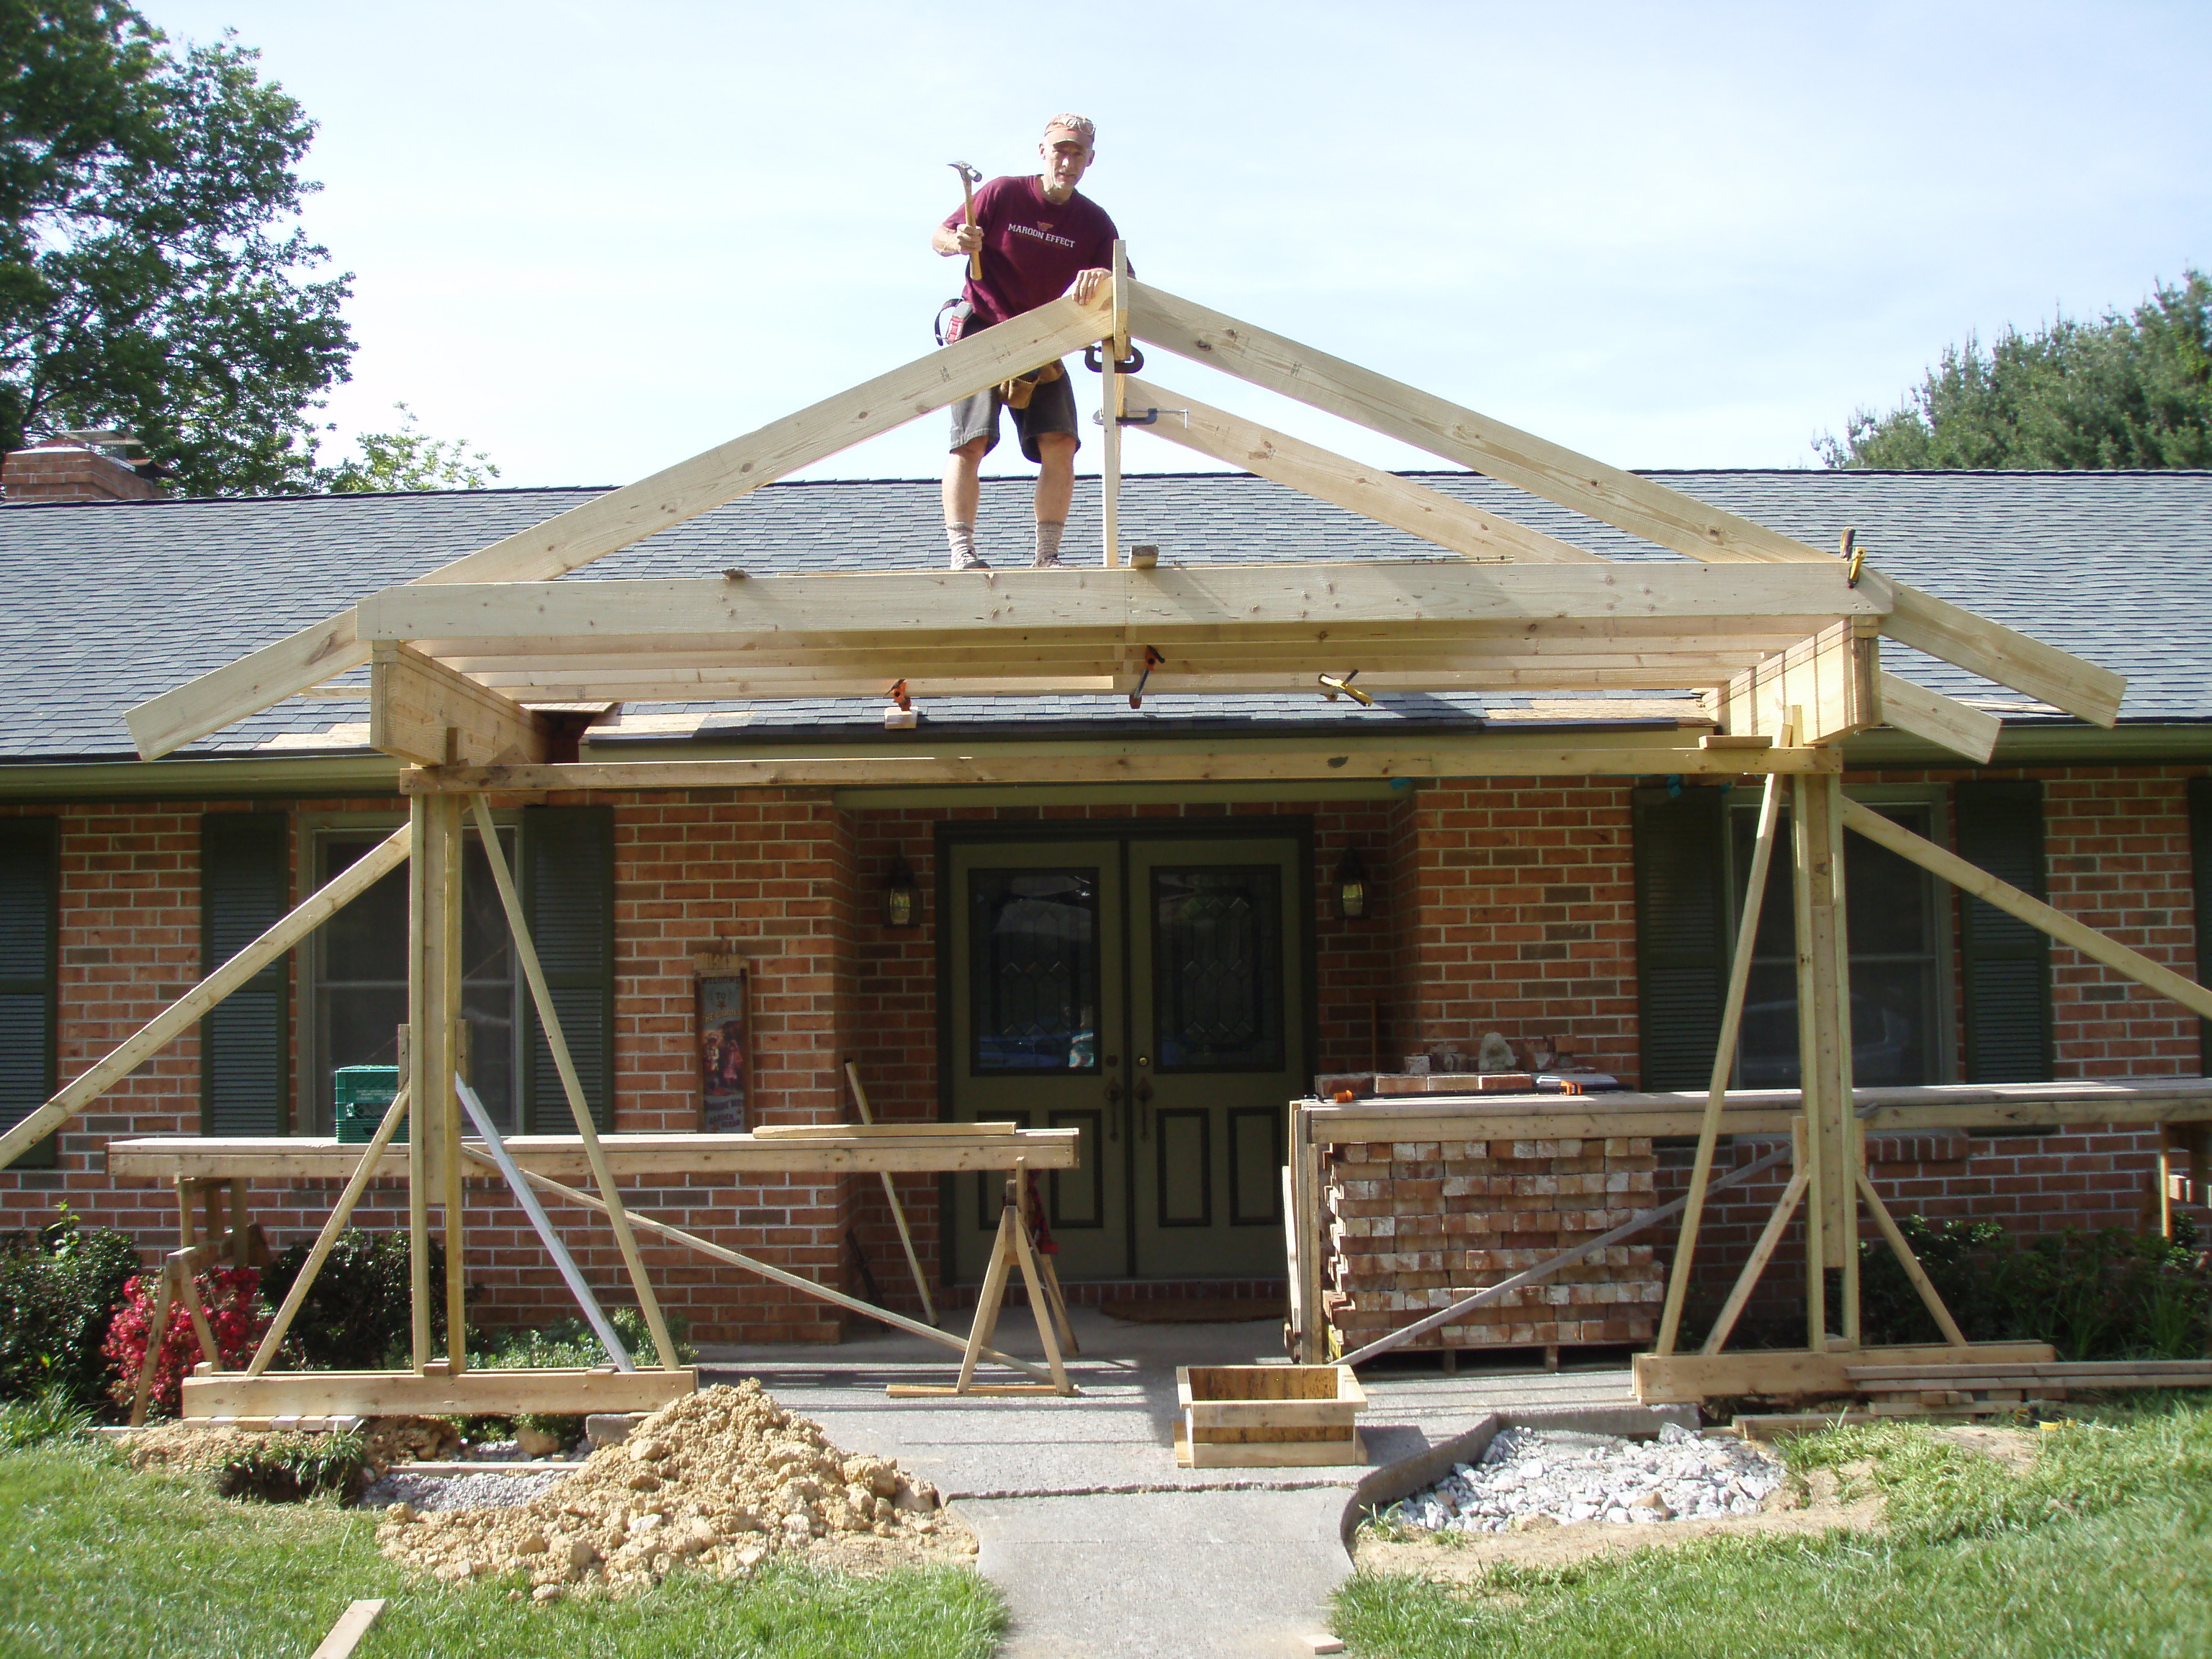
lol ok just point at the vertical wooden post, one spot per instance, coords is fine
(433, 999)
(1823, 1043)
(238, 1222)
(1109, 410)
(186, 1191)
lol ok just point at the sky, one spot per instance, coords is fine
(594, 239)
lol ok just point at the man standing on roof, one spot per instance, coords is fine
(1040, 238)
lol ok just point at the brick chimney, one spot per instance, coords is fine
(59, 471)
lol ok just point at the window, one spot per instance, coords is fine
(1894, 918)
(29, 972)
(359, 998)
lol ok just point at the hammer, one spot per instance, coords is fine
(969, 179)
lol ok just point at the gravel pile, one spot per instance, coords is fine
(717, 1481)
(427, 1493)
(1552, 1477)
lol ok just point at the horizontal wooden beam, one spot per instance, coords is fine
(1945, 721)
(1820, 690)
(952, 605)
(1372, 492)
(422, 711)
(474, 1393)
(180, 1016)
(1979, 883)
(1623, 500)
(1996, 653)
(1563, 759)
(294, 1158)
(615, 520)
(1681, 1378)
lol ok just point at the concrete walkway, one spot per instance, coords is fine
(1103, 1547)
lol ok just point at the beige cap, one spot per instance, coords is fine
(1077, 127)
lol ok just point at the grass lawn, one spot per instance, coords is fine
(2105, 1548)
(102, 1560)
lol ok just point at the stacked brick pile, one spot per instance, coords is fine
(1414, 1226)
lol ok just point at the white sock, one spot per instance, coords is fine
(1048, 542)
(962, 538)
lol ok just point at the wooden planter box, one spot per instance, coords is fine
(1267, 1416)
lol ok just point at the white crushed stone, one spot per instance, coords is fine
(431, 1492)
(1554, 1477)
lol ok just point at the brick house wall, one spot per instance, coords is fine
(1496, 903)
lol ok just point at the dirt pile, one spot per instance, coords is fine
(716, 1482)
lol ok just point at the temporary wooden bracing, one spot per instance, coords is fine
(1784, 638)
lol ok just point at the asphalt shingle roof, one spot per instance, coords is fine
(109, 604)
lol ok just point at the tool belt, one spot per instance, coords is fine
(1017, 392)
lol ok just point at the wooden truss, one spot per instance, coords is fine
(1783, 639)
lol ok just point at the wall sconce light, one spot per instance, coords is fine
(902, 900)
(1350, 886)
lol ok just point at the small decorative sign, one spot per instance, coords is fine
(725, 1050)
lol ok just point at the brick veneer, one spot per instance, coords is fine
(1502, 904)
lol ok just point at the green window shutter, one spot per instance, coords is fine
(1681, 932)
(2200, 869)
(29, 975)
(245, 1039)
(2006, 962)
(567, 855)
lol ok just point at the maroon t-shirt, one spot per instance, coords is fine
(1032, 248)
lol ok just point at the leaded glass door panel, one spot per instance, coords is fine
(1035, 959)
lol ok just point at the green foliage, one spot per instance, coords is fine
(152, 273)
(51, 1414)
(59, 1287)
(114, 1555)
(2102, 1546)
(570, 1342)
(409, 459)
(358, 1314)
(2120, 391)
(284, 1469)
(2107, 1295)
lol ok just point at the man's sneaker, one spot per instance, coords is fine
(969, 562)
(1055, 562)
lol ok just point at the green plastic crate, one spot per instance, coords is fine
(363, 1094)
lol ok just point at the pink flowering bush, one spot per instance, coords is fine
(235, 1314)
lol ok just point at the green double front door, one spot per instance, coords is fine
(1149, 992)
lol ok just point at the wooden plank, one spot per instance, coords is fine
(1110, 382)
(1709, 1127)
(890, 1193)
(1754, 1267)
(433, 1012)
(185, 1013)
(1686, 1378)
(1824, 1013)
(1909, 1262)
(1573, 756)
(1995, 652)
(1459, 435)
(549, 1025)
(422, 711)
(477, 1393)
(1959, 727)
(868, 1132)
(345, 1636)
(822, 606)
(1968, 878)
(620, 517)
(1372, 492)
(1275, 1413)
(300, 1158)
(1820, 690)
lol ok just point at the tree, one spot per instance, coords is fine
(409, 459)
(152, 273)
(2121, 392)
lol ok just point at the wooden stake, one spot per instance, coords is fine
(890, 1193)
(164, 1299)
(1762, 856)
(548, 1019)
(1911, 1263)
(341, 1212)
(345, 1636)
(1761, 1253)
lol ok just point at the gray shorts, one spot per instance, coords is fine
(1051, 409)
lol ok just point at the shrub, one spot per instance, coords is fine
(235, 1316)
(571, 1342)
(2106, 1295)
(284, 1469)
(358, 1314)
(59, 1287)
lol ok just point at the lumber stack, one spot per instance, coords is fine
(1413, 1226)
(1983, 1387)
